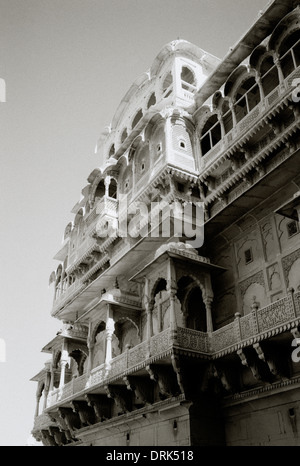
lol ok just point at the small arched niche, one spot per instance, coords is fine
(99, 344)
(188, 81)
(127, 335)
(193, 307)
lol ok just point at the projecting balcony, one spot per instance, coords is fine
(90, 247)
(259, 325)
(105, 206)
(254, 117)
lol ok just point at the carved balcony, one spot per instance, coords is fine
(261, 112)
(260, 324)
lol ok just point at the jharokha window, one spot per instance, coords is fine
(247, 97)
(188, 81)
(211, 134)
(289, 53)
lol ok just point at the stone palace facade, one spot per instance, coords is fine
(166, 341)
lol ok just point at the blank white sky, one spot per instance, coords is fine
(67, 64)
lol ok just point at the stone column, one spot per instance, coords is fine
(107, 183)
(110, 328)
(148, 308)
(47, 388)
(90, 345)
(38, 397)
(172, 289)
(279, 69)
(260, 86)
(63, 362)
(220, 118)
(232, 108)
(209, 323)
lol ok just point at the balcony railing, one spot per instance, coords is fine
(259, 323)
(253, 117)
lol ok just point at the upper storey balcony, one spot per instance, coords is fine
(162, 370)
(250, 100)
(83, 251)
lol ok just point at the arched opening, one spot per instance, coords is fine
(247, 97)
(78, 366)
(151, 101)
(211, 134)
(100, 191)
(112, 190)
(161, 286)
(99, 343)
(269, 75)
(196, 311)
(167, 85)
(137, 118)
(192, 304)
(127, 336)
(159, 317)
(289, 53)
(188, 81)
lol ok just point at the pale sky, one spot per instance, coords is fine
(67, 64)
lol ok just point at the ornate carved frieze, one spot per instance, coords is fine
(256, 278)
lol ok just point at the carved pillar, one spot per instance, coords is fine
(148, 307)
(221, 121)
(208, 299)
(107, 183)
(172, 288)
(260, 86)
(47, 388)
(63, 362)
(209, 322)
(279, 69)
(90, 345)
(159, 312)
(38, 397)
(232, 108)
(51, 378)
(110, 328)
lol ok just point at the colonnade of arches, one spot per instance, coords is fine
(269, 65)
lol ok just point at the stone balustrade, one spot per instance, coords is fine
(254, 117)
(257, 325)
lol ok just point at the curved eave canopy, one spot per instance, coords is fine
(262, 28)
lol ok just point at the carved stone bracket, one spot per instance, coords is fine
(143, 393)
(121, 396)
(86, 413)
(166, 380)
(71, 419)
(100, 405)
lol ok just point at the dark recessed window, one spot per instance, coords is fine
(182, 144)
(180, 187)
(292, 228)
(248, 256)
